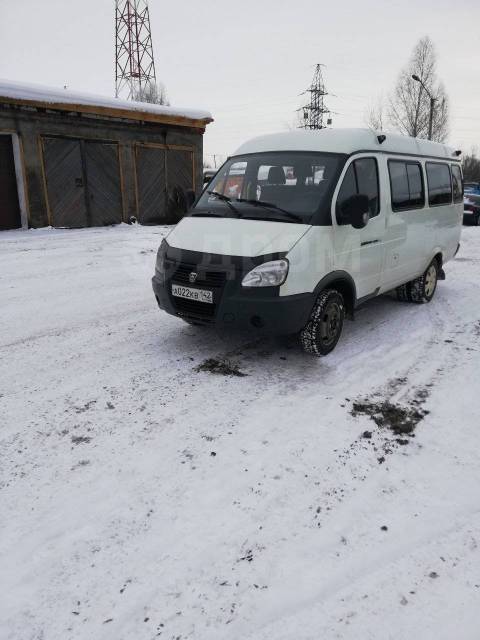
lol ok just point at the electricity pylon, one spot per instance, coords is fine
(134, 62)
(315, 114)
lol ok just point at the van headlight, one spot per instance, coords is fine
(268, 274)
(161, 255)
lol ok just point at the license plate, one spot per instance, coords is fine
(200, 295)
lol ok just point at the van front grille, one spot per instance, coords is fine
(207, 278)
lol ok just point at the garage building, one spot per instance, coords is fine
(76, 160)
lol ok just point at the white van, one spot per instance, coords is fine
(299, 228)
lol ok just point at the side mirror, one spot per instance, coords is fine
(190, 197)
(356, 211)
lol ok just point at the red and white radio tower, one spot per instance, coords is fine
(135, 66)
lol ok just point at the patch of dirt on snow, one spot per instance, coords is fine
(81, 439)
(401, 420)
(85, 407)
(221, 367)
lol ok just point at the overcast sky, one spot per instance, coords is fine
(248, 61)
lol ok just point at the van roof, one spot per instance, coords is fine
(346, 141)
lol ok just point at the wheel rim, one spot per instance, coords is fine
(330, 323)
(430, 280)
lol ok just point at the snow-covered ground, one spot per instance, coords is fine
(142, 498)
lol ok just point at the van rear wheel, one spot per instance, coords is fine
(422, 289)
(322, 332)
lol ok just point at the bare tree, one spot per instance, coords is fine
(152, 93)
(375, 116)
(409, 105)
(471, 167)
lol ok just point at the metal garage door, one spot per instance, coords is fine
(151, 186)
(9, 206)
(65, 182)
(103, 183)
(83, 182)
(180, 172)
(164, 175)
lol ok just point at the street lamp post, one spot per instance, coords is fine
(432, 105)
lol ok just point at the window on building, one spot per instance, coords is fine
(439, 183)
(361, 177)
(406, 185)
(457, 183)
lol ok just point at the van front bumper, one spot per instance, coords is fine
(261, 310)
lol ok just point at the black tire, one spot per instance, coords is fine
(322, 332)
(476, 220)
(403, 292)
(422, 289)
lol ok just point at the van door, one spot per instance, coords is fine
(359, 252)
(407, 222)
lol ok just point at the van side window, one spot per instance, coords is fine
(439, 183)
(367, 182)
(406, 185)
(415, 184)
(361, 177)
(457, 183)
(348, 188)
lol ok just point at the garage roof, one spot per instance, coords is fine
(39, 96)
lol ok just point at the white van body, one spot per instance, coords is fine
(414, 217)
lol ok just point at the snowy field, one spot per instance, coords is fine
(142, 498)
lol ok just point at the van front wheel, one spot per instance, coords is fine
(423, 288)
(322, 332)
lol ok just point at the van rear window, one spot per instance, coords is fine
(439, 183)
(406, 185)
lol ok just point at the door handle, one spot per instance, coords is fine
(79, 182)
(363, 244)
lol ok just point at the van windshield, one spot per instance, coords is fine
(287, 186)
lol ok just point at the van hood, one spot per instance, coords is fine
(235, 237)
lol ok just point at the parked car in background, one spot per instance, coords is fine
(208, 175)
(472, 187)
(471, 208)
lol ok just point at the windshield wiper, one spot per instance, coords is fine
(271, 205)
(226, 199)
